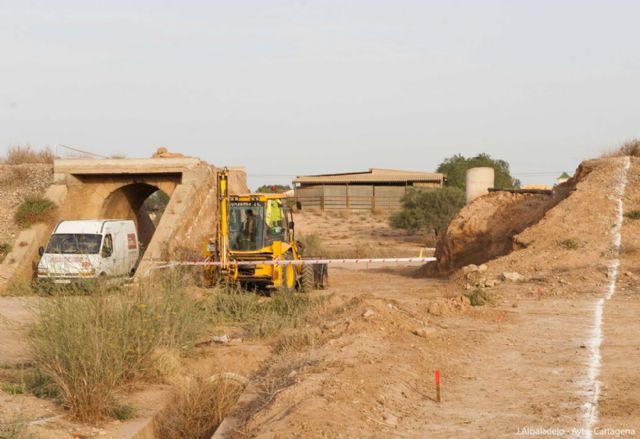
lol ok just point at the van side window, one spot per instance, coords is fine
(107, 246)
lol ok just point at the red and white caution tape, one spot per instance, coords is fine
(171, 264)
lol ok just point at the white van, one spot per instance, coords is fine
(88, 249)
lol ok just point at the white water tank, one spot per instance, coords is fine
(479, 181)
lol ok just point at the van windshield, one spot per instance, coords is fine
(74, 244)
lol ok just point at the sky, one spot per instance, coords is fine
(290, 88)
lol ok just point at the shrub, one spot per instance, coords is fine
(257, 315)
(21, 154)
(34, 210)
(88, 347)
(479, 297)
(197, 408)
(14, 429)
(428, 210)
(311, 244)
(569, 244)
(5, 249)
(633, 214)
(630, 148)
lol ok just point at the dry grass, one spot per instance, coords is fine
(259, 316)
(13, 176)
(23, 154)
(197, 407)
(89, 347)
(5, 249)
(296, 340)
(629, 148)
(34, 210)
(15, 429)
(311, 244)
(569, 244)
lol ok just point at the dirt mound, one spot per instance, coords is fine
(16, 183)
(550, 231)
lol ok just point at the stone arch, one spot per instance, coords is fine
(127, 202)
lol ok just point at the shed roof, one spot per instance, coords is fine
(373, 175)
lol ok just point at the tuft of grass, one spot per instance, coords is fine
(89, 347)
(259, 316)
(295, 341)
(18, 287)
(197, 408)
(633, 214)
(5, 249)
(311, 244)
(569, 244)
(22, 154)
(15, 429)
(629, 148)
(33, 210)
(123, 412)
(479, 297)
(12, 388)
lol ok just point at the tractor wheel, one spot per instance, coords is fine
(307, 279)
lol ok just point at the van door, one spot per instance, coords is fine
(107, 264)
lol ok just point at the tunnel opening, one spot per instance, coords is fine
(141, 202)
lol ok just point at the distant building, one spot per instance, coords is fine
(375, 189)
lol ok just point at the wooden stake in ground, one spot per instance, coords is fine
(438, 386)
(499, 318)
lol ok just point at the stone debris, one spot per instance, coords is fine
(424, 332)
(368, 313)
(512, 276)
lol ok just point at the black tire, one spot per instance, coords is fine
(307, 279)
(325, 278)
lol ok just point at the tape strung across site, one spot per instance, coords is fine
(277, 262)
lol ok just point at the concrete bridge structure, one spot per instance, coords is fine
(117, 189)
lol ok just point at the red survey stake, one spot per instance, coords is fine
(438, 385)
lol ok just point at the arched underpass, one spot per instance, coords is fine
(119, 188)
(132, 202)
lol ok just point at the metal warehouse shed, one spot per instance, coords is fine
(375, 189)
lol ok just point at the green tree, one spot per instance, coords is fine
(273, 189)
(428, 210)
(455, 168)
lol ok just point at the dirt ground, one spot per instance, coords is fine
(519, 367)
(529, 363)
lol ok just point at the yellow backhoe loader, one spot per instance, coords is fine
(255, 243)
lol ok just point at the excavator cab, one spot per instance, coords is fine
(255, 239)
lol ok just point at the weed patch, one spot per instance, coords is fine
(197, 408)
(5, 249)
(22, 154)
(88, 347)
(259, 316)
(633, 214)
(34, 210)
(15, 429)
(479, 297)
(569, 244)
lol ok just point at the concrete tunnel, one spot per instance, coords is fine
(131, 202)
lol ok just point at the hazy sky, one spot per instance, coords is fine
(298, 87)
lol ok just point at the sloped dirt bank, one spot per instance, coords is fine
(490, 226)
